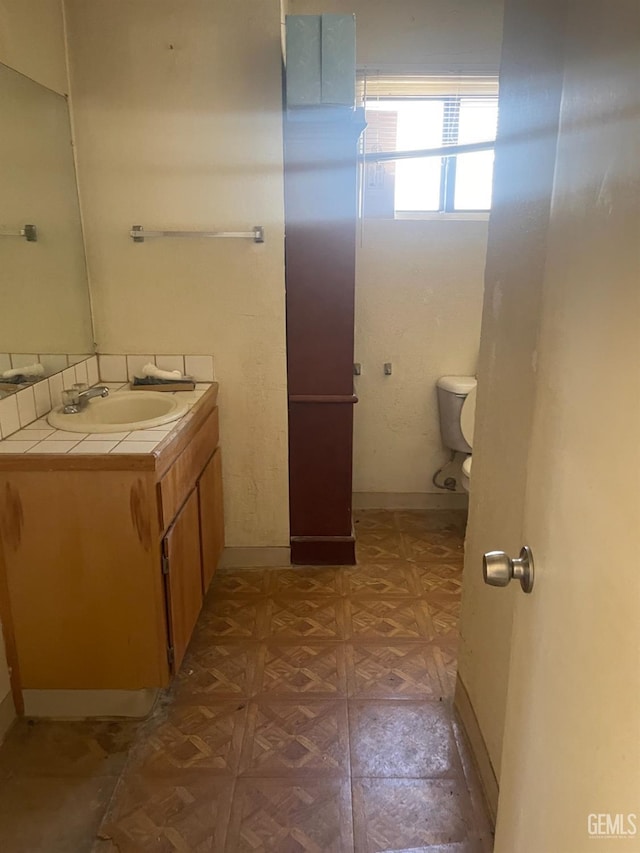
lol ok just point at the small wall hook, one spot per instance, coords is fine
(388, 368)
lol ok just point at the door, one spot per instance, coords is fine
(211, 517)
(570, 772)
(182, 567)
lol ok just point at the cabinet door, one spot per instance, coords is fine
(182, 566)
(211, 517)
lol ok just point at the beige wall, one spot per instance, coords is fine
(529, 95)
(32, 40)
(443, 34)
(177, 109)
(419, 284)
(418, 305)
(48, 311)
(573, 733)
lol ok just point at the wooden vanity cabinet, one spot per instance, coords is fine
(182, 570)
(106, 559)
(210, 503)
(191, 551)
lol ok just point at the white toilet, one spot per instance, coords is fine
(457, 407)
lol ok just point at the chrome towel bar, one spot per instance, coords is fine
(139, 234)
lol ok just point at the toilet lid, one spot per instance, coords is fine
(466, 466)
(468, 417)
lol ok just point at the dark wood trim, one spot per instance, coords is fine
(320, 251)
(323, 398)
(323, 550)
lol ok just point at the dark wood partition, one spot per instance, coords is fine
(320, 220)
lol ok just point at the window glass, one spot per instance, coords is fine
(474, 172)
(474, 181)
(429, 184)
(418, 181)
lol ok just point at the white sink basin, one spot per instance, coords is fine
(122, 411)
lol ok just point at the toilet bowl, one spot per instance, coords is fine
(457, 406)
(466, 473)
(467, 426)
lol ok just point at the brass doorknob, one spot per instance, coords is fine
(498, 568)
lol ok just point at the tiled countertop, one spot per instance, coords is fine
(39, 437)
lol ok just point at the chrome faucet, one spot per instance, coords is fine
(76, 400)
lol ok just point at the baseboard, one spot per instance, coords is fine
(73, 704)
(244, 558)
(469, 721)
(323, 550)
(410, 500)
(7, 715)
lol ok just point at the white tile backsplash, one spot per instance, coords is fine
(42, 397)
(77, 358)
(135, 363)
(5, 362)
(23, 359)
(200, 367)
(81, 372)
(56, 384)
(113, 368)
(53, 362)
(92, 370)
(26, 406)
(68, 377)
(9, 419)
(171, 362)
(122, 368)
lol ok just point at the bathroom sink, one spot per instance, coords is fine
(122, 411)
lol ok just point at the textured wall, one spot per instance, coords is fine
(418, 305)
(574, 685)
(530, 99)
(48, 311)
(430, 33)
(177, 109)
(419, 284)
(32, 40)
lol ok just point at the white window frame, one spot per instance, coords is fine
(385, 85)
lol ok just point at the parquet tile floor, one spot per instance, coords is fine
(313, 712)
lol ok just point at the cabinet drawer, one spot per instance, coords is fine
(181, 478)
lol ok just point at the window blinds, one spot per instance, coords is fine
(445, 110)
(372, 84)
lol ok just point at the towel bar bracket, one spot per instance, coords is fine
(29, 232)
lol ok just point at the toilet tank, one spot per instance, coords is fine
(452, 392)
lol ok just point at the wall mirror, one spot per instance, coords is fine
(45, 312)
